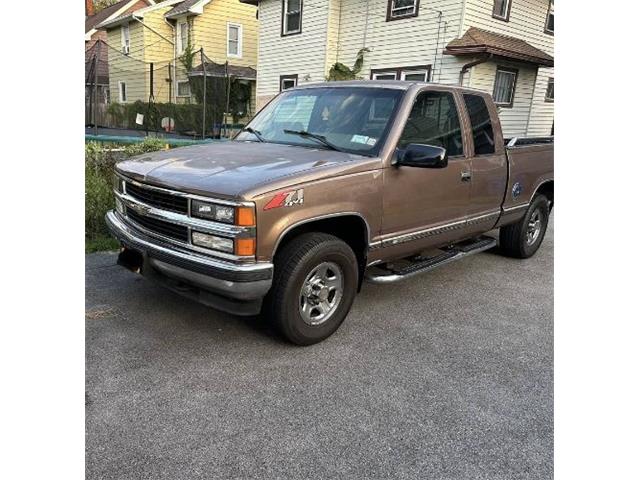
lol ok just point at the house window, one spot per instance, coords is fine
(384, 76)
(288, 81)
(183, 36)
(548, 26)
(548, 96)
(502, 9)
(397, 9)
(122, 92)
(184, 89)
(124, 37)
(504, 87)
(234, 40)
(291, 16)
(409, 74)
(414, 75)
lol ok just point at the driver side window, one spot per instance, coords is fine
(434, 121)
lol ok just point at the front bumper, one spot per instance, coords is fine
(234, 288)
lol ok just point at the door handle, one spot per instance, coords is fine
(465, 176)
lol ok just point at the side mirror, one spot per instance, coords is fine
(423, 156)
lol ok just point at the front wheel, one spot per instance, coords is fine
(314, 285)
(522, 239)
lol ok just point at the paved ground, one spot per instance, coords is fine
(449, 375)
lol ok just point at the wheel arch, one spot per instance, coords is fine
(350, 227)
(546, 189)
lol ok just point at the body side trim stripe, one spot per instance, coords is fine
(408, 237)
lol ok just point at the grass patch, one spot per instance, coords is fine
(98, 177)
(101, 244)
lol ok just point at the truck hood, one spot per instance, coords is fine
(233, 168)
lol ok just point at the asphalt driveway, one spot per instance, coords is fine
(446, 376)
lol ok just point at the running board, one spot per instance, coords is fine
(418, 265)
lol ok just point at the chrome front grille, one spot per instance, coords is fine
(163, 200)
(167, 229)
(165, 214)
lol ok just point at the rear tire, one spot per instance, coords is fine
(523, 239)
(315, 282)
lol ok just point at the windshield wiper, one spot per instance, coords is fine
(320, 138)
(256, 133)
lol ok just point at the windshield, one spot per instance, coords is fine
(353, 120)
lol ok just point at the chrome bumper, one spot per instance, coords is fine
(239, 282)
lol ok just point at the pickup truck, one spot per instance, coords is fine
(330, 185)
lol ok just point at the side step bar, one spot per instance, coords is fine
(382, 274)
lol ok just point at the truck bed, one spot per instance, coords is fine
(530, 161)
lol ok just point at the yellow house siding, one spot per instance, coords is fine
(158, 49)
(155, 42)
(127, 68)
(210, 31)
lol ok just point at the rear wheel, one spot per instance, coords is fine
(523, 239)
(314, 285)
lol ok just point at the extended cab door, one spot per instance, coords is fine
(423, 207)
(488, 163)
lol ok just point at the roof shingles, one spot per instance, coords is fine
(181, 8)
(102, 15)
(476, 41)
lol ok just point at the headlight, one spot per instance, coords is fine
(211, 211)
(242, 216)
(212, 242)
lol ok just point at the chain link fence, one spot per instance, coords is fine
(190, 96)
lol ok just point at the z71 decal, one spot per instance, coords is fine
(286, 199)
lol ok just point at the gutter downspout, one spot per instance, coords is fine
(466, 67)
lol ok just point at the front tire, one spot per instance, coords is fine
(314, 285)
(523, 239)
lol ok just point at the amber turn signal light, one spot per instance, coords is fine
(245, 216)
(245, 247)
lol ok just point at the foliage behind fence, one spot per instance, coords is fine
(169, 94)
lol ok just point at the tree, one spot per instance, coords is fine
(102, 4)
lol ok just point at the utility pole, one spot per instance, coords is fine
(204, 91)
(95, 87)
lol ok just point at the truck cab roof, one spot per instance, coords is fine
(393, 84)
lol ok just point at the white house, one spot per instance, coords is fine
(501, 46)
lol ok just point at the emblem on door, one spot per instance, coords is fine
(516, 190)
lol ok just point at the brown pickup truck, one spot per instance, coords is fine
(329, 185)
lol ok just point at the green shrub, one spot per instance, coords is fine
(187, 117)
(98, 175)
(149, 144)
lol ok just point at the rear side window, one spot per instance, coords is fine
(483, 138)
(434, 121)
